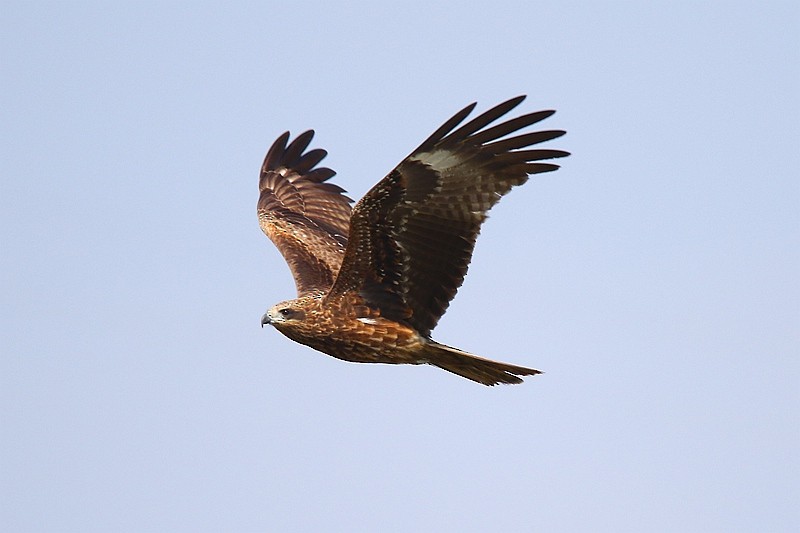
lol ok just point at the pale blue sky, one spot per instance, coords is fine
(654, 277)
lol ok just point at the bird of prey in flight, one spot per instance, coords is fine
(373, 280)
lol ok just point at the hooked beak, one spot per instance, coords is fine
(265, 320)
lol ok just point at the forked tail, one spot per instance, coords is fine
(473, 367)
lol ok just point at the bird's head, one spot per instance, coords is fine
(284, 314)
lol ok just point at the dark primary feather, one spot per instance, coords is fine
(413, 234)
(306, 218)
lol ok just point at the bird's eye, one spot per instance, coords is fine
(285, 312)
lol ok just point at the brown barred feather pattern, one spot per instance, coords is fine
(373, 282)
(307, 218)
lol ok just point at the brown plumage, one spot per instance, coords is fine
(373, 282)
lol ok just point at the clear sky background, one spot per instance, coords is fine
(654, 277)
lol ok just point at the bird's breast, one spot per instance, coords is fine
(372, 339)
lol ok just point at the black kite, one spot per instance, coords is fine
(373, 281)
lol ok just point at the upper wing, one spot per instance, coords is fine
(412, 235)
(306, 218)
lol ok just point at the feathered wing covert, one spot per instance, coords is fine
(396, 260)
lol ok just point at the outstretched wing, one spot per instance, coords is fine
(413, 234)
(305, 217)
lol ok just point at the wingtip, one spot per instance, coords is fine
(469, 108)
(275, 151)
(308, 134)
(511, 103)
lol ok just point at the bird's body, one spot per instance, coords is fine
(373, 281)
(347, 329)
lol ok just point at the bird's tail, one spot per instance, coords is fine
(473, 367)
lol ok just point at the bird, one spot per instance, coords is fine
(374, 279)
